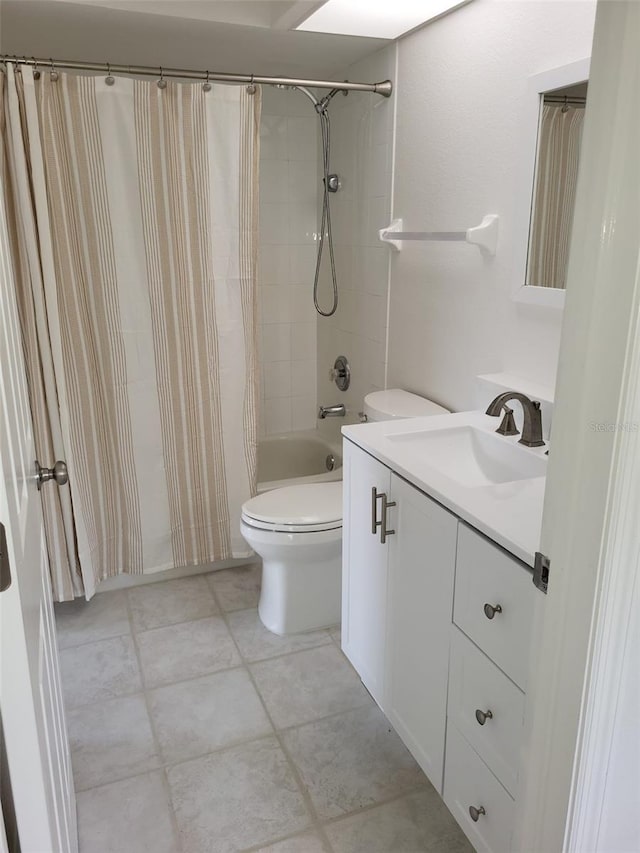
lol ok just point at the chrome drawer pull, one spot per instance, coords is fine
(483, 716)
(490, 610)
(383, 529)
(476, 812)
(375, 497)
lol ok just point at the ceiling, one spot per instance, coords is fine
(279, 14)
(244, 36)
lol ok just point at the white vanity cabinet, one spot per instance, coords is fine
(365, 568)
(436, 619)
(398, 574)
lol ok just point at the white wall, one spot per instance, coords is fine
(362, 155)
(459, 88)
(289, 133)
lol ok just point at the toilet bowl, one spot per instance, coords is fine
(297, 530)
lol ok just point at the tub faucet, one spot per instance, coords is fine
(532, 425)
(338, 411)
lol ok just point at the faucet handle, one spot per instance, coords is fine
(508, 423)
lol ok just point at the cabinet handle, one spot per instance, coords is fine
(490, 610)
(483, 716)
(383, 524)
(375, 497)
(476, 812)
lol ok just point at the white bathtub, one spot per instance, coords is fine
(294, 458)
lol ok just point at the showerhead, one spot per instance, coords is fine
(322, 105)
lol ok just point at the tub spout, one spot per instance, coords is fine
(338, 411)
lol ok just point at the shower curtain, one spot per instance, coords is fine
(560, 135)
(133, 211)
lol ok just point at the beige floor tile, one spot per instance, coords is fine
(418, 823)
(352, 760)
(308, 685)
(82, 621)
(111, 740)
(237, 589)
(198, 716)
(257, 643)
(98, 671)
(237, 798)
(185, 650)
(132, 816)
(166, 603)
(308, 842)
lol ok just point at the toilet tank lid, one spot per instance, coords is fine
(311, 503)
(396, 403)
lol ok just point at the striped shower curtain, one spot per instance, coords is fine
(134, 228)
(559, 138)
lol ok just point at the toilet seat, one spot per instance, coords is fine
(310, 508)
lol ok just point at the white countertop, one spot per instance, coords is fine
(509, 513)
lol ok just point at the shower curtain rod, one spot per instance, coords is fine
(384, 88)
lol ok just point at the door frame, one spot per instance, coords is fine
(592, 502)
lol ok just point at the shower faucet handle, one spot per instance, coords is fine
(340, 373)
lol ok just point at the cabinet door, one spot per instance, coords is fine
(421, 575)
(364, 569)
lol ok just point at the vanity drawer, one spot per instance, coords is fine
(493, 602)
(468, 782)
(477, 685)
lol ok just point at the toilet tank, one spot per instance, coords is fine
(396, 403)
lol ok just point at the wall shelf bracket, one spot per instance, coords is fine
(484, 236)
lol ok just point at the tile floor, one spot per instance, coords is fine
(195, 730)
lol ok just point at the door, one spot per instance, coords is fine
(30, 696)
(421, 574)
(364, 567)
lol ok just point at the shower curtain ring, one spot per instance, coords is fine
(36, 72)
(206, 86)
(109, 80)
(53, 74)
(162, 83)
(251, 88)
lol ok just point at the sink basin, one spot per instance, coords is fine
(470, 456)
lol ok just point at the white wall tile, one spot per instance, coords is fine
(303, 341)
(276, 304)
(302, 264)
(288, 223)
(303, 412)
(302, 138)
(277, 380)
(273, 137)
(303, 378)
(277, 415)
(273, 265)
(274, 223)
(276, 342)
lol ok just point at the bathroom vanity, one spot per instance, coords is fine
(438, 599)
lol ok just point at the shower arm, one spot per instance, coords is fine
(384, 88)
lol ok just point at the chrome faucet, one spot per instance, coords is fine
(338, 411)
(532, 424)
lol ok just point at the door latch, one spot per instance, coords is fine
(5, 566)
(541, 566)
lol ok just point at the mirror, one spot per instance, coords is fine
(553, 110)
(554, 189)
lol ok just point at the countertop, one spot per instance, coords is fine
(508, 513)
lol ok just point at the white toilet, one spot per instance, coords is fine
(297, 530)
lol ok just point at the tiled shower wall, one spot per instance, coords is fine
(289, 136)
(362, 128)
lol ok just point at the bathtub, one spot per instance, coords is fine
(296, 457)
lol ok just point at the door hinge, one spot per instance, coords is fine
(541, 567)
